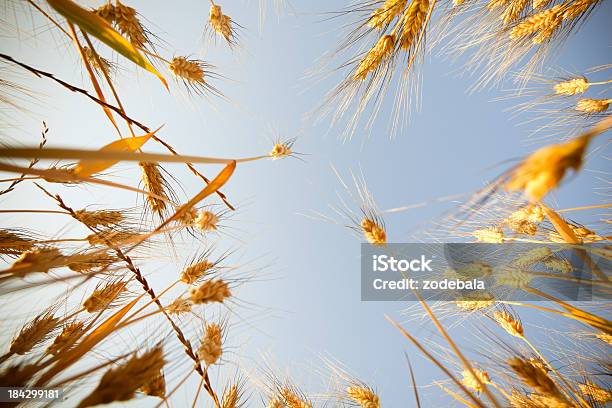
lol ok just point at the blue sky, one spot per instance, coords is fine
(306, 305)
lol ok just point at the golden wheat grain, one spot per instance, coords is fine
(104, 296)
(581, 232)
(577, 8)
(210, 349)
(127, 22)
(373, 232)
(364, 396)
(475, 301)
(572, 86)
(156, 387)
(194, 272)
(221, 23)
(539, 4)
(513, 277)
(383, 16)
(588, 105)
(187, 217)
(292, 399)
(13, 242)
(559, 265)
(154, 182)
(280, 150)
(231, 397)
(544, 169)
(476, 384)
(102, 218)
(382, 50)
(34, 333)
(107, 12)
(532, 257)
(596, 393)
(525, 220)
(179, 306)
(492, 235)
(513, 11)
(100, 64)
(188, 70)
(121, 383)
(67, 338)
(536, 378)
(112, 237)
(210, 292)
(510, 324)
(413, 20)
(541, 22)
(38, 260)
(275, 403)
(88, 262)
(495, 4)
(206, 221)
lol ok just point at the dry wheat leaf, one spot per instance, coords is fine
(86, 168)
(102, 30)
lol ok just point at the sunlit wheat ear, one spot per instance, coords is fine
(292, 399)
(540, 25)
(413, 20)
(513, 11)
(472, 383)
(222, 24)
(102, 218)
(364, 396)
(275, 403)
(207, 221)
(105, 296)
(38, 260)
(70, 334)
(509, 323)
(596, 393)
(99, 63)
(532, 257)
(491, 235)
(544, 169)
(539, 4)
(197, 270)
(477, 301)
(231, 397)
(154, 182)
(114, 237)
(156, 387)
(212, 291)
(559, 265)
(89, 262)
(193, 74)
(383, 16)
(525, 220)
(373, 232)
(107, 12)
(578, 8)
(211, 345)
(381, 51)
(584, 234)
(122, 383)
(513, 277)
(588, 105)
(35, 332)
(536, 378)
(128, 24)
(572, 86)
(187, 217)
(13, 243)
(281, 149)
(179, 306)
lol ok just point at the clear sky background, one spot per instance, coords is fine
(304, 305)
